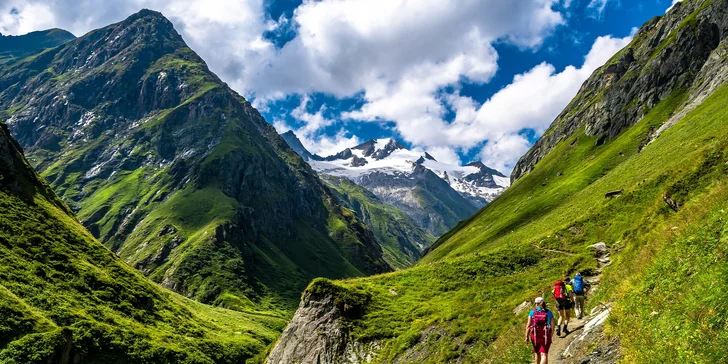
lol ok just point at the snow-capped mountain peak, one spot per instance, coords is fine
(387, 158)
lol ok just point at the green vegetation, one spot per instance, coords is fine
(176, 173)
(540, 229)
(18, 47)
(63, 295)
(400, 237)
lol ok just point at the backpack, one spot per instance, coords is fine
(560, 291)
(578, 284)
(539, 325)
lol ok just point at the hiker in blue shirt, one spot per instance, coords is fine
(539, 330)
(581, 287)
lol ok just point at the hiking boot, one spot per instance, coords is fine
(566, 330)
(558, 330)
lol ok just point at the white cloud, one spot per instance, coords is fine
(599, 6)
(673, 5)
(18, 17)
(499, 153)
(531, 101)
(445, 155)
(397, 55)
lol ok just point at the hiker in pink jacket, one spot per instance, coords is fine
(539, 330)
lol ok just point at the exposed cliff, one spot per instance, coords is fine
(176, 172)
(666, 55)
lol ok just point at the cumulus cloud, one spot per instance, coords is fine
(531, 102)
(18, 17)
(397, 56)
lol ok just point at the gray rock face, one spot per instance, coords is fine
(136, 134)
(316, 335)
(668, 54)
(422, 195)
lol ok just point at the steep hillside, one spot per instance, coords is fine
(402, 240)
(648, 180)
(436, 195)
(175, 172)
(64, 298)
(21, 46)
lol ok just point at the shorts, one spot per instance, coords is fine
(562, 304)
(541, 347)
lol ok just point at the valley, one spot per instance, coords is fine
(149, 213)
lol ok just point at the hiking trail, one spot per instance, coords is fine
(570, 348)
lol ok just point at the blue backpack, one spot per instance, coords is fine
(578, 283)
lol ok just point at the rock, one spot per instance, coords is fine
(600, 248)
(522, 307)
(316, 335)
(654, 313)
(671, 203)
(392, 292)
(612, 194)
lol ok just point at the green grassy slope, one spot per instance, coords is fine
(66, 298)
(177, 173)
(469, 285)
(401, 239)
(668, 273)
(18, 47)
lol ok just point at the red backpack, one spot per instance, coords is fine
(560, 290)
(539, 326)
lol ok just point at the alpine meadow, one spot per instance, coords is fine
(266, 206)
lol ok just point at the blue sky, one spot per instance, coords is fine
(462, 79)
(568, 45)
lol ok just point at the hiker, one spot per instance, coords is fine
(581, 287)
(570, 293)
(539, 330)
(563, 306)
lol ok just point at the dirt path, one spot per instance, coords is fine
(554, 251)
(576, 326)
(561, 343)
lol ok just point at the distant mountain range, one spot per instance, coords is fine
(436, 195)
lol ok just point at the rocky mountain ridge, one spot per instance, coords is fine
(668, 53)
(19, 46)
(436, 195)
(176, 172)
(65, 298)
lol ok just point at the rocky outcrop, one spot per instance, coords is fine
(317, 333)
(669, 54)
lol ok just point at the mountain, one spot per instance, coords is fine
(632, 191)
(436, 195)
(295, 144)
(21, 46)
(65, 298)
(401, 239)
(175, 172)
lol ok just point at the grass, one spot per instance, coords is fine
(400, 237)
(468, 284)
(61, 287)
